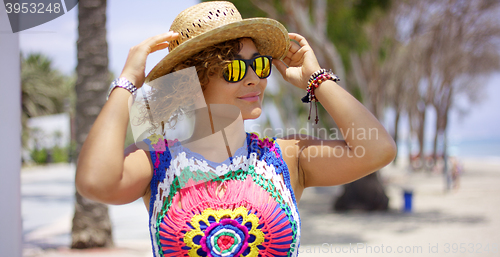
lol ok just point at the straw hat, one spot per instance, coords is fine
(210, 23)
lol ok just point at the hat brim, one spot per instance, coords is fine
(270, 37)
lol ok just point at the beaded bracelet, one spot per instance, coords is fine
(315, 80)
(316, 74)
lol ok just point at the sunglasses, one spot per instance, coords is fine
(236, 70)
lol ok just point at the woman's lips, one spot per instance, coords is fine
(251, 97)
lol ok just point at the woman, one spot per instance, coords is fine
(245, 205)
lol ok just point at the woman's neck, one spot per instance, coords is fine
(218, 130)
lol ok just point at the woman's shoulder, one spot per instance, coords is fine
(288, 148)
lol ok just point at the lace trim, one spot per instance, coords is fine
(177, 148)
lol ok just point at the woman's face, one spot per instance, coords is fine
(246, 94)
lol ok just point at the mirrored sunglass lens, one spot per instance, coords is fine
(262, 66)
(235, 71)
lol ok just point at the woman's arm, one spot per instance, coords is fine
(104, 172)
(367, 148)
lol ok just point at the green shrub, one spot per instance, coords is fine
(39, 156)
(60, 154)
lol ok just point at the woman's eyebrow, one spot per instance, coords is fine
(254, 54)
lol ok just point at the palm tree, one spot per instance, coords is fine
(91, 223)
(44, 89)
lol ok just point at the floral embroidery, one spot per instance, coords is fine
(249, 223)
(227, 233)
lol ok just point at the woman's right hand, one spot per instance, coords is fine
(104, 172)
(135, 66)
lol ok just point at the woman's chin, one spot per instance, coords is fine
(252, 114)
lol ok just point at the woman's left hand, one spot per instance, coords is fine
(301, 61)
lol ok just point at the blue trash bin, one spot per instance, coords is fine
(408, 195)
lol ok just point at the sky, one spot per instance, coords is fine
(130, 22)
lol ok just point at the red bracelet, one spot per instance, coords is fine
(316, 79)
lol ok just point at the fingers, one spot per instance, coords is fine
(293, 49)
(295, 59)
(158, 42)
(159, 46)
(168, 36)
(287, 60)
(296, 51)
(136, 60)
(300, 53)
(302, 40)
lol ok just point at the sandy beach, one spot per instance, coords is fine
(460, 222)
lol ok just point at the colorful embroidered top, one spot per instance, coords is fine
(256, 215)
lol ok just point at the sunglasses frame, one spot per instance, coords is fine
(249, 62)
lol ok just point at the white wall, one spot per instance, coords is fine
(10, 140)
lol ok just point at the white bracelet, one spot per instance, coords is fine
(123, 83)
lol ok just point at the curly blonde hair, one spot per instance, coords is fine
(174, 97)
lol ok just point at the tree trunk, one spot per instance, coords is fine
(365, 194)
(439, 133)
(410, 136)
(420, 135)
(436, 135)
(91, 223)
(396, 129)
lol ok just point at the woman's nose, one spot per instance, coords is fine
(251, 78)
